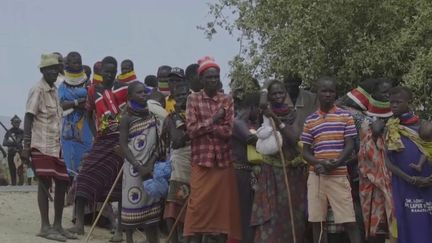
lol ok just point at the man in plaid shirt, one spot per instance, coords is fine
(213, 206)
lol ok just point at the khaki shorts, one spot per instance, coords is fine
(335, 190)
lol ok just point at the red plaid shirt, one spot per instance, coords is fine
(210, 142)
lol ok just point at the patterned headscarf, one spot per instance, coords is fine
(368, 104)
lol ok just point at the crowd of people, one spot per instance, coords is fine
(265, 163)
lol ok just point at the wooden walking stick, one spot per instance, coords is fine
(279, 143)
(103, 205)
(176, 222)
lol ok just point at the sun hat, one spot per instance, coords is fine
(48, 59)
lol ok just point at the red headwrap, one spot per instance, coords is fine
(206, 63)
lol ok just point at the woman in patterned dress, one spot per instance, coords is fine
(270, 211)
(371, 182)
(139, 141)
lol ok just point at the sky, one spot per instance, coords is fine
(149, 32)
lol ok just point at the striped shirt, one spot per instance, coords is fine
(44, 104)
(326, 133)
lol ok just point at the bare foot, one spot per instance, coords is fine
(415, 167)
(76, 230)
(44, 231)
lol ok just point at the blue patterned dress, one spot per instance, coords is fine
(76, 137)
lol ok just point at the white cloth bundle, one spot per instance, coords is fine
(267, 143)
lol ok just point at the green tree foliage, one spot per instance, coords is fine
(348, 39)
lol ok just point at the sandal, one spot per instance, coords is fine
(68, 235)
(75, 230)
(52, 235)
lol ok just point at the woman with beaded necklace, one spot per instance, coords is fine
(139, 143)
(76, 136)
(270, 213)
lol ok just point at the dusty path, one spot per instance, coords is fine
(19, 218)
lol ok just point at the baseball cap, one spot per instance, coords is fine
(176, 71)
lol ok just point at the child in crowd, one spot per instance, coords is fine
(425, 133)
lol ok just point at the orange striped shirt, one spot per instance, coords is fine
(326, 133)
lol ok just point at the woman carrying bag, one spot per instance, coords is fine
(271, 208)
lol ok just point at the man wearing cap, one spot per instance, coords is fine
(213, 205)
(175, 76)
(42, 144)
(13, 140)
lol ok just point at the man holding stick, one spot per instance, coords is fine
(328, 143)
(103, 163)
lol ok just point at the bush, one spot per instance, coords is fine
(348, 39)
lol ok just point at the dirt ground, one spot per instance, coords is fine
(19, 218)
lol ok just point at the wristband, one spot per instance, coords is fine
(76, 102)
